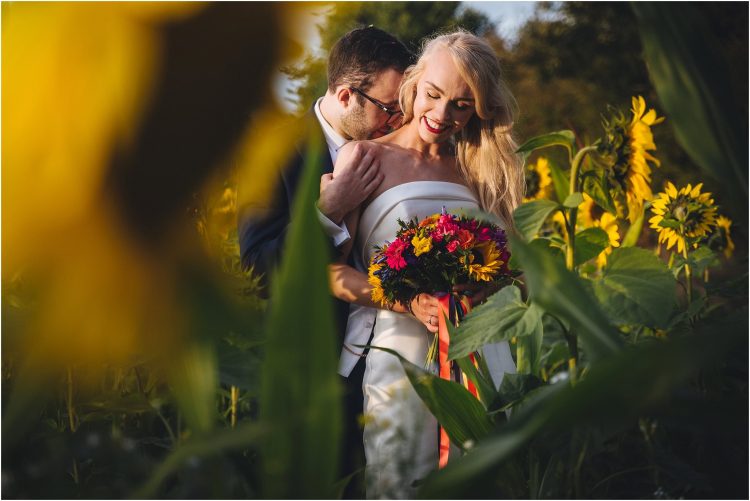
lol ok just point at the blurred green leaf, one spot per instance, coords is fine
(300, 392)
(636, 287)
(220, 441)
(530, 216)
(692, 79)
(516, 386)
(238, 367)
(529, 351)
(589, 243)
(463, 416)
(562, 293)
(502, 317)
(563, 138)
(192, 373)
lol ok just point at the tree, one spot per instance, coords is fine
(410, 22)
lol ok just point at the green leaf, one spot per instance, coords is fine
(463, 416)
(597, 188)
(691, 77)
(636, 287)
(192, 373)
(208, 445)
(238, 367)
(605, 396)
(487, 393)
(516, 386)
(699, 259)
(502, 317)
(564, 138)
(530, 216)
(589, 244)
(634, 232)
(573, 200)
(563, 294)
(529, 351)
(300, 388)
(560, 180)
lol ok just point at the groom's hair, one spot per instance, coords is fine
(357, 57)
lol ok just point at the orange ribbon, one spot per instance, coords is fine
(445, 366)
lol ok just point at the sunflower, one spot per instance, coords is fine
(538, 180)
(683, 217)
(377, 294)
(608, 223)
(721, 240)
(628, 145)
(588, 212)
(489, 264)
(590, 215)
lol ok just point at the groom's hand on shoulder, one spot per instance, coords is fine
(355, 177)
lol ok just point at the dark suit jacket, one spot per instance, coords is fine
(262, 232)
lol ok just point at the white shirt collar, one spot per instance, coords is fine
(334, 140)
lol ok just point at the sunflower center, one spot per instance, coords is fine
(533, 182)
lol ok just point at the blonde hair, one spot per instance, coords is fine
(485, 148)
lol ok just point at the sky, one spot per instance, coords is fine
(508, 17)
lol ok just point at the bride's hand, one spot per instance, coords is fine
(425, 308)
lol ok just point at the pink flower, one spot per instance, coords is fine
(452, 246)
(394, 253)
(446, 225)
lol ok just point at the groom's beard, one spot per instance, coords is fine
(354, 124)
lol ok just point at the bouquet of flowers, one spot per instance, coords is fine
(437, 253)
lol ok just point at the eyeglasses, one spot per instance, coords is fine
(391, 113)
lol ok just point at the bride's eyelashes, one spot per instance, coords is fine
(459, 105)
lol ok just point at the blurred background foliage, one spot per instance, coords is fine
(137, 356)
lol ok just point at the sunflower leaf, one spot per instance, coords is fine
(597, 188)
(559, 179)
(563, 138)
(573, 200)
(530, 216)
(502, 317)
(463, 416)
(636, 287)
(589, 243)
(563, 294)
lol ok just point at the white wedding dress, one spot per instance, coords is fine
(400, 434)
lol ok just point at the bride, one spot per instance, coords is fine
(455, 150)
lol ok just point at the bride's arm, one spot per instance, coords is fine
(351, 285)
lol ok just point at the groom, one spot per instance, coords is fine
(365, 68)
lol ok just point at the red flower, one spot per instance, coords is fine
(484, 234)
(452, 246)
(394, 253)
(465, 239)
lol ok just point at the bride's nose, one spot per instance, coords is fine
(443, 112)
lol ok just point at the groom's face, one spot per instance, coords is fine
(364, 119)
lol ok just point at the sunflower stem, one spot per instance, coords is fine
(235, 396)
(69, 401)
(573, 214)
(688, 278)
